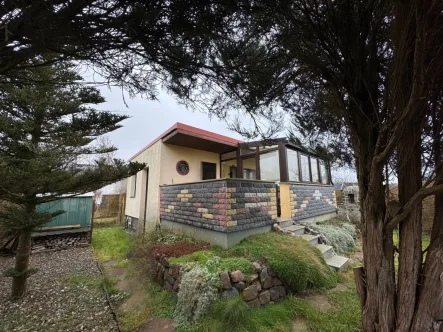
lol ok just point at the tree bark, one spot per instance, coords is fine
(410, 229)
(21, 264)
(429, 309)
(378, 309)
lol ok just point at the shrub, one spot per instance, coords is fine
(232, 313)
(340, 236)
(198, 291)
(214, 263)
(299, 264)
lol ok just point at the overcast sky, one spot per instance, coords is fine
(149, 119)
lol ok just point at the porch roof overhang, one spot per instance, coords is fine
(194, 138)
(200, 140)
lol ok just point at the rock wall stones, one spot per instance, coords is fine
(261, 288)
(226, 205)
(309, 201)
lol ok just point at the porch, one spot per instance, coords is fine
(224, 211)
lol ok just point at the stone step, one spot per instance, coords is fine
(284, 222)
(338, 263)
(313, 239)
(296, 229)
(327, 251)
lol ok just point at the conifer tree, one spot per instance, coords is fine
(49, 149)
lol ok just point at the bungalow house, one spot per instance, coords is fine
(220, 189)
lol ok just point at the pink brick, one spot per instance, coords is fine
(223, 223)
(220, 217)
(174, 203)
(222, 201)
(222, 190)
(219, 195)
(241, 211)
(266, 208)
(253, 199)
(197, 205)
(219, 206)
(162, 210)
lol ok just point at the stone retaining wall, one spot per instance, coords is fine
(263, 287)
(309, 201)
(227, 205)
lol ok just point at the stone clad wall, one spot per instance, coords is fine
(227, 205)
(261, 288)
(310, 201)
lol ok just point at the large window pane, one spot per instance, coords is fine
(314, 170)
(304, 161)
(294, 174)
(249, 169)
(229, 168)
(269, 166)
(324, 173)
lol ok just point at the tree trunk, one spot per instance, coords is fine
(21, 264)
(429, 308)
(410, 229)
(378, 312)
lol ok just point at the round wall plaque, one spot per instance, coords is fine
(182, 167)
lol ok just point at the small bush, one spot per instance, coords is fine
(232, 313)
(299, 264)
(338, 235)
(215, 263)
(198, 291)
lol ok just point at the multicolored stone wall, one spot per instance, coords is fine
(310, 201)
(226, 205)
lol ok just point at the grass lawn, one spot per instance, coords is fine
(344, 316)
(111, 243)
(146, 299)
(302, 267)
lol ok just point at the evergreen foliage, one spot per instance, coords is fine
(49, 148)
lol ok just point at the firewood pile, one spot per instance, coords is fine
(60, 241)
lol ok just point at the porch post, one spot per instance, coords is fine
(239, 165)
(283, 161)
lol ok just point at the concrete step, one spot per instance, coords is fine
(327, 251)
(338, 263)
(310, 238)
(284, 222)
(296, 229)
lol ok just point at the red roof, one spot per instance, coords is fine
(192, 130)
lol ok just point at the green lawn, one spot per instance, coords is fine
(110, 243)
(290, 257)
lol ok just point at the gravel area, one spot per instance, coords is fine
(64, 295)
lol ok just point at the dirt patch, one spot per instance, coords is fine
(357, 258)
(126, 285)
(340, 288)
(178, 249)
(318, 301)
(115, 272)
(158, 325)
(110, 263)
(300, 325)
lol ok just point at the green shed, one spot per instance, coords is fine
(77, 216)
